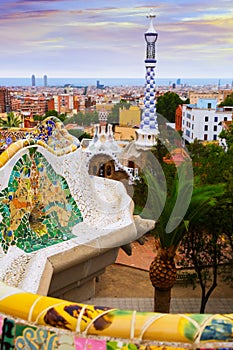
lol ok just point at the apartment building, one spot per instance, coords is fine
(220, 95)
(5, 100)
(203, 120)
(130, 117)
(31, 105)
(64, 103)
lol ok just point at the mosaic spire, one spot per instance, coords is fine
(148, 132)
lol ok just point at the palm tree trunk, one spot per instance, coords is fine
(162, 299)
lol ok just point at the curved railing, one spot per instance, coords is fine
(49, 134)
(40, 314)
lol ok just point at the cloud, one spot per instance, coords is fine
(111, 33)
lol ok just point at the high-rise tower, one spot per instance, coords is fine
(33, 80)
(45, 78)
(148, 132)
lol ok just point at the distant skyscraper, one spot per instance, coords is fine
(33, 80)
(148, 132)
(98, 85)
(45, 80)
(178, 82)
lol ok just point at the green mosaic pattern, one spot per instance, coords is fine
(37, 209)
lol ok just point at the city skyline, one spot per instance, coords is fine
(67, 38)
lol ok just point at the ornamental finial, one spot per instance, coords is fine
(151, 14)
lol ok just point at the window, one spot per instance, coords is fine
(225, 119)
(192, 126)
(206, 119)
(108, 170)
(206, 128)
(205, 137)
(215, 137)
(215, 119)
(209, 105)
(215, 127)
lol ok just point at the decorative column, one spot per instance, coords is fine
(148, 132)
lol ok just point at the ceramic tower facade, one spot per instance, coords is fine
(148, 132)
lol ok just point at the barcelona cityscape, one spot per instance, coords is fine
(116, 175)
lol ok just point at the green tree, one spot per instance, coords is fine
(209, 162)
(206, 245)
(11, 121)
(228, 101)
(168, 234)
(227, 134)
(166, 105)
(62, 117)
(51, 113)
(113, 117)
(80, 134)
(83, 119)
(39, 118)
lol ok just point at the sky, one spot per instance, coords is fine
(105, 38)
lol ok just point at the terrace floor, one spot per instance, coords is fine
(126, 285)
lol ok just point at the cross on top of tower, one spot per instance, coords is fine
(151, 14)
(151, 28)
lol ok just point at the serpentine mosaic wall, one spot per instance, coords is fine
(36, 208)
(36, 211)
(50, 134)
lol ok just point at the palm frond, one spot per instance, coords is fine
(183, 207)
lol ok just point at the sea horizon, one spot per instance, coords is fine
(77, 82)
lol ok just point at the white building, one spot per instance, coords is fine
(203, 120)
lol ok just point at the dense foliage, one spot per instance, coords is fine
(80, 134)
(228, 101)
(50, 113)
(166, 105)
(83, 119)
(205, 234)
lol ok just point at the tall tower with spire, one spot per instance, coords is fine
(148, 132)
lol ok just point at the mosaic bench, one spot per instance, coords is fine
(59, 229)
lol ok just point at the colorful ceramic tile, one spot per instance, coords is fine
(8, 332)
(66, 342)
(33, 338)
(1, 325)
(120, 345)
(37, 212)
(90, 344)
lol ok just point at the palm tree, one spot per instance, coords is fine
(11, 121)
(171, 227)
